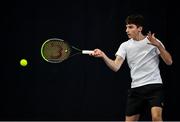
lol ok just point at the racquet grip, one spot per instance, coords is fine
(87, 51)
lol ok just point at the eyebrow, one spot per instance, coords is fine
(129, 26)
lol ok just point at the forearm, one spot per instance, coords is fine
(165, 55)
(112, 64)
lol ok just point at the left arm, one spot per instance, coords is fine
(165, 55)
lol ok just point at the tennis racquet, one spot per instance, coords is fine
(56, 50)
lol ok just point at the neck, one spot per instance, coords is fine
(139, 37)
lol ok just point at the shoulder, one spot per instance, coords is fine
(126, 43)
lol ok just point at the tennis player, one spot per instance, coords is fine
(142, 53)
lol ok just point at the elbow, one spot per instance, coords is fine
(115, 69)
(116, 66)
(169, 63)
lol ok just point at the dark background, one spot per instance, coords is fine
(83, 87)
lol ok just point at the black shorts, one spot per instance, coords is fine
(140, 97)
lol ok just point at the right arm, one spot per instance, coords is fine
(112, 64)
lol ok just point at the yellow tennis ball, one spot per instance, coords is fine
(23, 62)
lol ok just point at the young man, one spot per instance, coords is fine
(142, 53)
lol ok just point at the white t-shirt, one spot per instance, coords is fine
(143, 61)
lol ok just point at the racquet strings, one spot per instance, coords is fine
(56, 51)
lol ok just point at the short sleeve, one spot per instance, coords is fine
(121, 51)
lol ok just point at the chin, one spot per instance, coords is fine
(129, 37)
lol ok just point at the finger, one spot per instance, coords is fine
(149, 34)
(148, 37)
(153, 35)
(92, 54)
(95, 50)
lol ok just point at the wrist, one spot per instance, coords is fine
(159, 46)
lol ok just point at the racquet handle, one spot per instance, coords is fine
(87, 51)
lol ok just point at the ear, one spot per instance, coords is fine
(140, 28)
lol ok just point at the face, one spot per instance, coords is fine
(133, 31)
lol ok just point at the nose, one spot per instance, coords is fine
(127, 29)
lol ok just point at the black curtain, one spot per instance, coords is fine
(83, 87)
